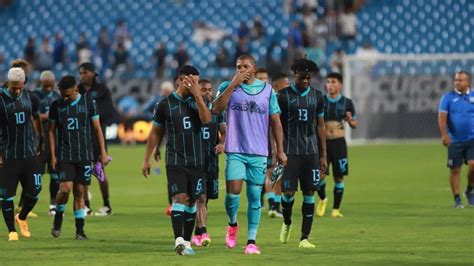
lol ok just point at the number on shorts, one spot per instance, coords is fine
(205, 133)
(37, 179)
(316, 176)
(88, 170)
(199, 186)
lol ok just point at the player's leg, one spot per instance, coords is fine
(269, 190)
(66, 177)
(323, 200)
(469, 192)
(196, 183)
(310, 178)
(32, 179)
(278, 193)
(289, 185)
(87, 202)
(235, 175)
(106, 209)
(201, 218)
(340, 169)
(79, 209)
(455, 161)
(53, 190)
(8, 185)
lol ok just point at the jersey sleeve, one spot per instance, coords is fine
(320, 106)
(444, 104)
(350, 108)
(92, 106)
(53, 111)
(274, 107)
(159, 113)
(35, 104)
(222, 88)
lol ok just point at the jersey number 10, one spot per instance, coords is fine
(20, 118)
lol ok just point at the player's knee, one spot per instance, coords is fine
(338, 179)
(201, 200)
(181, 198)
(455, 171)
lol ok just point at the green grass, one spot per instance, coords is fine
(397, 207)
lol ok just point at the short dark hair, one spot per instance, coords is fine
(248, 57)
(67, 82)
(335, 75)
(304, 65)
(87, 66)
(465, 73)
(188, 70)
(279, 76)
(204, 81)
(261, 70)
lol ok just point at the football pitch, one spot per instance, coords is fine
(397, 209)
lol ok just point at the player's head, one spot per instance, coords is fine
(23, 65)
(462, 80)
(280, 81)
(68, 88)
(87, 73)
(303, 69)
(16, 81)
(47, 80)
(187, 71)
(206, 89)
(334, 83)
(166, 88)
(246, 63)
(262, 75)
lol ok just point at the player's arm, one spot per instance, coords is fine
(222, 101)
(100, 138)
(52, 143)
(157, 154)
(351, 115)
(204, 113)
(277, 130)
(443, 120)
(223, 131)
(37, 123)
(155, 137)
(322, 142)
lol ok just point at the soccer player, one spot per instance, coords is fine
(251, 106)
(262, 75)
(455, 120)
(46, 95)
(89, 85)
(181, 115)
(337, 110)
(279, 82)
(73, 119)
(302, 116)
(213, 136)
(20, 143)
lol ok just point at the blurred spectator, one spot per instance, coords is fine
(120, 58)
(205, 33)
(160, 56)
(295, 42)
(258, 31)
(59, 50)
(348, 24)
(180, 57)
(83, 51)
(311, 5)
(243, 31)
(330, 20)
(128, 105)
(262, 75)
(3, 73)
(337, 61)
(30, 51)
(241, 48)
(104, 46)
(369, 54)
(222, 58)
(45, 56)
(316, 53)
(166, 89)
(309, 20)
(122, 34)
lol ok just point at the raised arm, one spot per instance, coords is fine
(222, 101)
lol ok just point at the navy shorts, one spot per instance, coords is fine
(460, 152)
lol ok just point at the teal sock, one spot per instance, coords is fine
(253, 210)
(80, 215)
(189, 220)
(232, 202)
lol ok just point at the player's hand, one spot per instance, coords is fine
(446, 140)
(193, 86)
(239, 78)
(40, 148)
(348, 116)
(322, 175)
(157, 155)
(54, 163)
(104, 159)
(282, 159)
(146, 169)
(219, 149)
(323, 165)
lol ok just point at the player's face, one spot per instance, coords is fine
(263, 76)
(182, 81)
(302, 80)
(47, 85)
(15, 88)
(281, 84)
(461, 81)
(86, 76)
(206, 89)
(246, 65)
(69, 95)
(333, 86)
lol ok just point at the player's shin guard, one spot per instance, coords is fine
(189, 221)
(253, 211)
(308, 212)
(80, 215)
(28, 204)
(9, 214)
(58, 217)
(271, 200)
(338, 192)
(232, 202)
(322, 189)
(53, 188)
(177, 219)
(287, 207)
